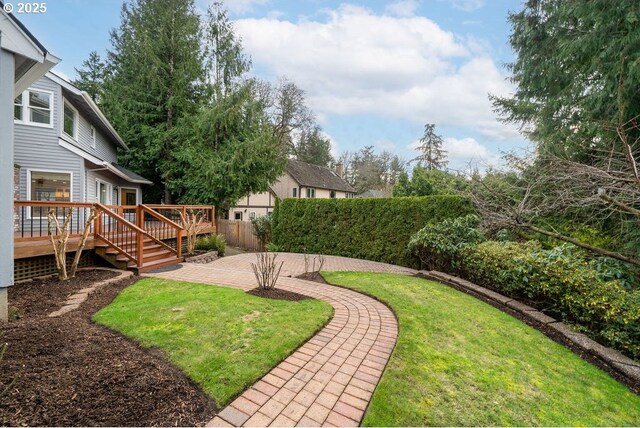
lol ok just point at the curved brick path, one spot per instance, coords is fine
(330, 379)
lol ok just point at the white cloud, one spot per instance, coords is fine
(357, 62)
(467, 151)
(402, 8)
(467, 5)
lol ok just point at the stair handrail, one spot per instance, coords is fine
(140, 232)
(179, 229)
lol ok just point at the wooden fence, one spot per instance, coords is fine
(239, 234)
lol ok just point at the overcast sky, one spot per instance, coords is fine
(374, 72)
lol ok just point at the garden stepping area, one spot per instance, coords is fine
(331, 378)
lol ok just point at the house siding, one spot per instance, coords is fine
(104, 148)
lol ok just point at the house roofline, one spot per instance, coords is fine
(92, 105)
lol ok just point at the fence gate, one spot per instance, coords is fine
(239, 234)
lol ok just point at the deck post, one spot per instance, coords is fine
(7, 73)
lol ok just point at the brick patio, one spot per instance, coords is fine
(331, 378)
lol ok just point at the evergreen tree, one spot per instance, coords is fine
(91, 76)
(156, 77)
(314, 148)
(433, 155)
(225, 62)
(229, 151)
(576, 73)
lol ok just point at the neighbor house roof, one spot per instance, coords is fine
(309, 175)
(88, 108)
(373, 193)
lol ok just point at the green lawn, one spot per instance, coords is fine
(222, 338)
(459, 361)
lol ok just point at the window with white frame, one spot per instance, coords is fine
(93, 137)
(311, 192)
(50, 186)
(70, 122)
(103, 192)
(34, 107)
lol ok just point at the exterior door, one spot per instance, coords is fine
(128, 196)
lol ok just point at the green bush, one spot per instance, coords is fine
(437, 244)
(372, 229)
(561, 281)
(212, 242)
(262, 229)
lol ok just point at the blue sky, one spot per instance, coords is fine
(374, 72)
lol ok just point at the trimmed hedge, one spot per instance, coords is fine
(376, 229)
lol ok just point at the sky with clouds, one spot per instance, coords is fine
(373, 71)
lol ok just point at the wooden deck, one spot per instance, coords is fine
(41, 246)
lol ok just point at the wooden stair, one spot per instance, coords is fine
(155, 256)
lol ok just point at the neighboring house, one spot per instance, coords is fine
(23, 60)
(300, 180)
(66, 149)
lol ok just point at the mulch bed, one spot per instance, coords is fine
(278, 294)
(72, 372)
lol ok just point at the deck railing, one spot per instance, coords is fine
(30, 219)
(123, 227)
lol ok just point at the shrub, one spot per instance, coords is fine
(562, 281)
(372, 229)
(438, 244)
(212, 242)
(272, 248)
(262, 229)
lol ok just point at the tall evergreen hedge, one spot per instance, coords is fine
(372, 229)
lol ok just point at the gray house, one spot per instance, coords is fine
(65, 148)
(23, 60)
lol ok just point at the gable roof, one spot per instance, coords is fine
(309, 175)
(32, 60)
(88, 108)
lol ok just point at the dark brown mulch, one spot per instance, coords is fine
(72, 372)
(312, 276)
(43, 296)
(278, 294)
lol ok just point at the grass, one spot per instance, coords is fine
(222, 338)
(459, 361)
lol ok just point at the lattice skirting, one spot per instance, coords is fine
(33, 267)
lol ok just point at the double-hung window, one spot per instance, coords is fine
(34, 107)
(70, 122)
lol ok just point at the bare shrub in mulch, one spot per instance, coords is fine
(73, 372)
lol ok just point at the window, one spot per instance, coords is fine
(70, 121)
(48, 186)
(34, 108)
(295, 192)
(238, 216)
(18, 108)
(102, 192)
(311, 193)
(350, 195)
(93, 137)
(332, 194)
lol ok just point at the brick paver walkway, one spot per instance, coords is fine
(330, 379)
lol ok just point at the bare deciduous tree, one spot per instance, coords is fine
(192, 223)
(605, 186)
(59, 236)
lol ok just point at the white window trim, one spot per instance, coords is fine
(120, 189)
(109, 189)
(30, 171)
(26, 106)
(76, 119)
(92, 135)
